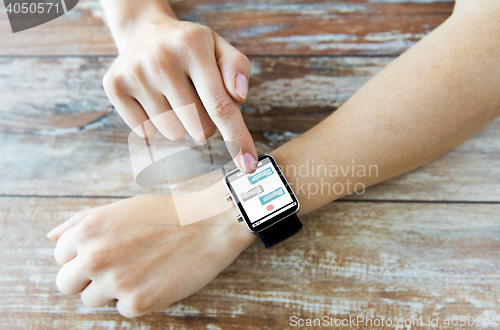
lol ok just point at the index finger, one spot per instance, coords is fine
(224, 111)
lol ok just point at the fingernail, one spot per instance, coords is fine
(248, 162)
(241, 85)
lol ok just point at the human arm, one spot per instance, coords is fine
(430, 99)
(165, 64)
(433, 97)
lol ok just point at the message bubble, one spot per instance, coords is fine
(251, 193)
(271, 196)
(261, 175)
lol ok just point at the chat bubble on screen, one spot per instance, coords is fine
(261, 175)
(271, 196)
(252, 193)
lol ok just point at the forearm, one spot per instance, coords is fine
(429, 100)
(426, 102)
(124, 16)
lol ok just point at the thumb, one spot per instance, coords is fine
(234, 67)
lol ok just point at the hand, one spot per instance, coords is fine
(135, 251)
(166, 64)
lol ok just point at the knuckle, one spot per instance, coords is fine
(60, 283)
(192, 38)
(88, 228)
(85, 300)
(118, 281)
(222, 106)
(93, 260)
(80, 214)
(135, 73)
(141, 302)
(243, 59)
(114, 84)
(60, 247)
(88, 301)
(121, 282)
(124, 309)
(64, 282)
(136, 304)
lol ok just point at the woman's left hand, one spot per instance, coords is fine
(136, 251)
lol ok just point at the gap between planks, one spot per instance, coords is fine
(336, 201)
(249, 56)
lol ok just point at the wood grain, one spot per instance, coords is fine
(352, 27)
(400, 251)
(396, 260)
(60, 136)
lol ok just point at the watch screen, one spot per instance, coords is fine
(263, 195)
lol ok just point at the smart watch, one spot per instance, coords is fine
(265, 200)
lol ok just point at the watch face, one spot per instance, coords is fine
(263, 197)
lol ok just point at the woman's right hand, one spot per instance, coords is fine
(165, 64)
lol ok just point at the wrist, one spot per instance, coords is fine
(131, 20)
(239, 237)
(209, 209)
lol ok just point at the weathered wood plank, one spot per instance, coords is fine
(352, 27)
(59, 137)
(286, 94)
(391, 260)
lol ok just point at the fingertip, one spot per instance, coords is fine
(248, 162)
(53, 234)
(49, 237)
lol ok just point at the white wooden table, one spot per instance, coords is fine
(426, 244)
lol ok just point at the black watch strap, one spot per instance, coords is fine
(280, 231)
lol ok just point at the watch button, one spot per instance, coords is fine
(239, 218)
(229, 198)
